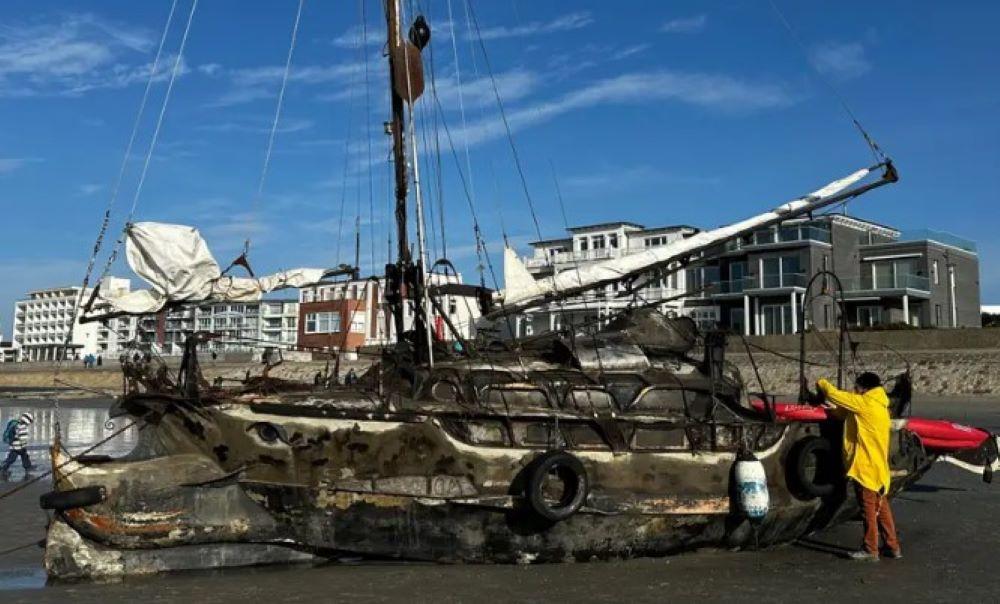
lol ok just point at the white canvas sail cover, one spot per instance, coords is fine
(520, 291)
(175, 260)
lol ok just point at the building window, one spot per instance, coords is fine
(583, 244)
(934, 272)
(323, 322)
(869, 316)
(452, 306)
(613, 241)
(598, 242)
(654, 241)
(937, 315)
(358, 324)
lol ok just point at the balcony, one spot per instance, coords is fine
(783, 280)
(887, 282)
(778, 236)
(755, 283)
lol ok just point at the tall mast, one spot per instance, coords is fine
(396, 127)
(406, 279)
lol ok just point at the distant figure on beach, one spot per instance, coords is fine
(15, 435)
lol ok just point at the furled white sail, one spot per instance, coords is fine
(175, 260)
(519, 292)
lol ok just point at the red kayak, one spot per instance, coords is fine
(937, 435)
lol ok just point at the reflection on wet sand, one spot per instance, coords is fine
(81, 428)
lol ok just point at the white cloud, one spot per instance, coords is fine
(841, 60)
(566, 22)
(628, 51)
(262, 126)
(620, 178)
(89, 189)
(255, 83)
(354, 36)
(210, 69)
(710, 91)
(685, 25)
(11, 164)
(73, 54)
(513, 85)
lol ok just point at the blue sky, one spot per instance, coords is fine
(659, 113)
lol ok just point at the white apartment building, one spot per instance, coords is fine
(592, 243)
(240, 326)
(279, 321)
(43, 320)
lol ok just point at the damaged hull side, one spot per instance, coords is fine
(406, 487)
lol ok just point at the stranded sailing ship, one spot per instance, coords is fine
(629, 438)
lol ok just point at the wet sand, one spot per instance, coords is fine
(947, 525)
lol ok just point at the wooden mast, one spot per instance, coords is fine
(405, 279)
(395, 273)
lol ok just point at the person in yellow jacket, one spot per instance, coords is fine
(866, 457)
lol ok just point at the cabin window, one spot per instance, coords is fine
(586, 400)
(613, 241)
(658, 436)
(583, 436)
(598, 242)
(485, 432)
(516, 397)
(538, 434)
(665, 401)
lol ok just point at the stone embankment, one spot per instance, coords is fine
(958, 362)
(938, 373)
(108, 378)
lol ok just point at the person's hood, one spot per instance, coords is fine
(878, 395)
(27, 417)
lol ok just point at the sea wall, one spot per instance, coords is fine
(947, 372)
(942, 362)
(108, 378)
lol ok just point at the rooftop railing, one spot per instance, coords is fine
(940, 237)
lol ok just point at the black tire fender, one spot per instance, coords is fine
(812, 467)
(73, 498)
(573, 475)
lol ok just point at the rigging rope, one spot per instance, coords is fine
(128, 153)
(461, 100)
(178, 61)
(877, 152)
(368, 132)
(506, 123)
(347, 156)
(277, 116)
(152, 144)
(75, 311)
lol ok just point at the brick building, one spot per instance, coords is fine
(350, 314)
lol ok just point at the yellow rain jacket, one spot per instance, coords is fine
(866, 434)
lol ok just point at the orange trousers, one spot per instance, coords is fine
(877, 518)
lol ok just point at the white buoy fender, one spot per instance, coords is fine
(751, 487)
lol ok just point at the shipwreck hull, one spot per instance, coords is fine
(408, 528)
(210, 489)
